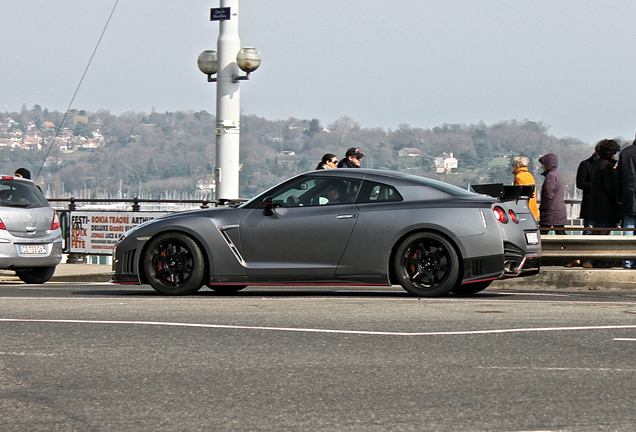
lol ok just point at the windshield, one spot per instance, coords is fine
(20, 194)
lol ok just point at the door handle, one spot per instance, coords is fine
(347, 216)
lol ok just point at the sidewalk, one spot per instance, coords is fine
(550, 278)
(574, 278)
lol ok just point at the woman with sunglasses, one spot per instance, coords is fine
(329, 161)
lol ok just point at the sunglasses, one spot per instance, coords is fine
(334, 161)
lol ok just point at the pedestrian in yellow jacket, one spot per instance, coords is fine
(523, 177)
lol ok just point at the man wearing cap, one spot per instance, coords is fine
(352, 159)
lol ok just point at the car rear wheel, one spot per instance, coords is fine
(426, 265)
(226, 289)
(174, 264)
(35, 275)
(471, 288)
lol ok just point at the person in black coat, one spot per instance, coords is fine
(605, 209)
(584, 182)
(626, 190)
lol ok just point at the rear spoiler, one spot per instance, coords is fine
(505, 192)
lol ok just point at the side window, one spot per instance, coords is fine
(372, 192)
(317, 191)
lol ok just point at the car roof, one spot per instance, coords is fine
(12, 177)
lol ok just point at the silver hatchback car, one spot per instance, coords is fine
(30, 234)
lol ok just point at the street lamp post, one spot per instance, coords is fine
(226, 64)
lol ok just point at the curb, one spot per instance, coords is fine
(81, 278)
(560, 278)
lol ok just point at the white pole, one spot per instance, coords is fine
(228, 105)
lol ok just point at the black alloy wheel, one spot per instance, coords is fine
(427, 265)
(174, 264)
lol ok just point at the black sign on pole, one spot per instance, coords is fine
(219, 14)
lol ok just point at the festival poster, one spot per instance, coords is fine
(97, 232)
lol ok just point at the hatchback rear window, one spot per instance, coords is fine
(20, 194)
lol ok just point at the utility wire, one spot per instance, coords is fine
(57, 132)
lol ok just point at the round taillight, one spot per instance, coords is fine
(500, 214)
(513, 216)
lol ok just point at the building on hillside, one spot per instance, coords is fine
(508, 154)
(409, 152)
(445, 163)
(206, 184)
(32, 144)
(89, 144)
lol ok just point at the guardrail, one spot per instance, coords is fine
(607, 247)
(575, 245)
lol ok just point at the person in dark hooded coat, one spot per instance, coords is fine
(552, 212)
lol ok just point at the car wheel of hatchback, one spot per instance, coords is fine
(35, 275)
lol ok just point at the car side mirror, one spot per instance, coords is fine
(268, 206)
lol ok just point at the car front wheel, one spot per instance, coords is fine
(426, 265)
(174, 264)
(35, 275)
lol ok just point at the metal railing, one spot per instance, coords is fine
(132, 204)
(570, 247)
(137, 202)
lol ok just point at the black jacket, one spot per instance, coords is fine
(626, 180)
(604, 207)
(584, 182)
(346, 163)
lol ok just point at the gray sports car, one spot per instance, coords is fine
(341, 227)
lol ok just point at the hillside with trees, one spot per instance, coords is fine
(135, 154)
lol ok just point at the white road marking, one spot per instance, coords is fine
(309, 330)
(557, 369)
(23, 354)
(625, 339)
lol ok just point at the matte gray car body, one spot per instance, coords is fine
(385, 228)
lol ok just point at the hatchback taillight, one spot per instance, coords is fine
(56, 222)
(500, 214)
(2, 227)
(513, 216)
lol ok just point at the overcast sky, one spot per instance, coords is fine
(569, 64)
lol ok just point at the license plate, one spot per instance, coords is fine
(32, 249)
(532, 238)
